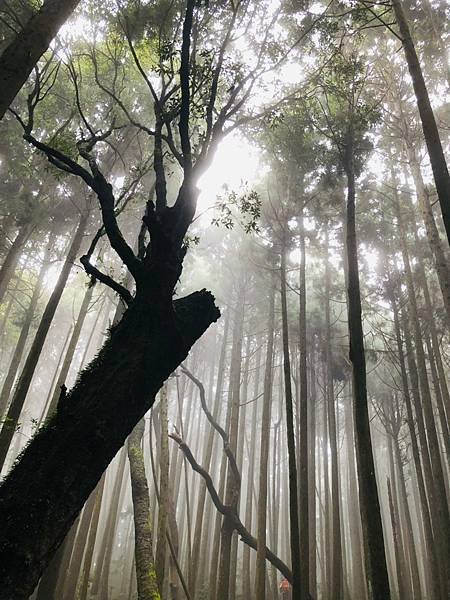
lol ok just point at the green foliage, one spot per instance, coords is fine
(248, 206)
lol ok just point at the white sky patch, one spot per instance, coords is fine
(236, 165)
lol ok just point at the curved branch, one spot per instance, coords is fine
(106, 279)
(216, 426)
(245, 535)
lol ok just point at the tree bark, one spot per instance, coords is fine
(22, 54)
(260, 578)
(336, 555)
(80, 440)
(143, 537)
(429, 126)
(232, 488)
(303, 422)
(299, 587)
(376, 567)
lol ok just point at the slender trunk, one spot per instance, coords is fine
(260, 579)
(299, 587)
(429, 126)
(100, 582)
(376, 567)
(413, 562)
(71, 348)
(232, 489)
(336, 555)
(161, 547)
(303, 422)
(246, 585)
(143, 536)
(21, 342)
(34, 353)
(438, 498)
(207, 455)
(12, 256)
(397, 544)
(85, 564)
(312, 477)
(83, 542)
(354, 522)
(433, 237)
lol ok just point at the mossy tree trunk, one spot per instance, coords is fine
(143, 535)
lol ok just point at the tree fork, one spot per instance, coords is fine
(67, 457)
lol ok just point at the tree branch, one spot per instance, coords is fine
(106, 279)
(228, 511)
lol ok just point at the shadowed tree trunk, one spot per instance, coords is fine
(91, 425)
(299, 587)
(376, 567)
(429, 126)
(435, 479)
(22, 54)
(303, 421)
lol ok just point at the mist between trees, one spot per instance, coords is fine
(224, 300)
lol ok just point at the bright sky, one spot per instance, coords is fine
(235, 164)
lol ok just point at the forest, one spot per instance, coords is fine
(224, 300)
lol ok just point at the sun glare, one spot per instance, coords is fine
(236, 165)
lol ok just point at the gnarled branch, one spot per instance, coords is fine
(228, 511)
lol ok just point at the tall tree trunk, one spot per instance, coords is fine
(161, 547)
(207, 455)
(303, 422)
(429, 126)
(143, 537)
(83, 545)
(22, 54)
(100, 580)
(260, 578)
(71, 348)
(336, 585)
(438, 498)
(21, 342)
(12, 256)
(299, 587)
(434, 240)
(312, 476)
(397, 543)
(247, 587)
(85, 565)
(376, 567)
(232, 488)
(359, 587)
(34, 353)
